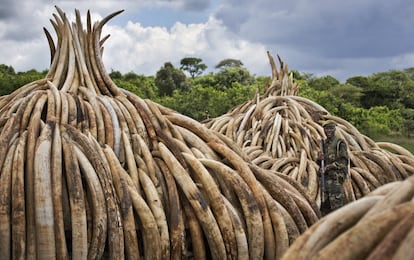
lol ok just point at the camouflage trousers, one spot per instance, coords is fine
(334, 193)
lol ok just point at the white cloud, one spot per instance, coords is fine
(25, 56)
(338, 38)
(144, 50)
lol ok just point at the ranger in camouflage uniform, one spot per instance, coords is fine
(336, 160)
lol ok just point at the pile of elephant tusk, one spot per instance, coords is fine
(91, 171)
(377, 226)
(281, 131)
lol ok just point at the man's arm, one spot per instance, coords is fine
(341, 163)
(343, 157)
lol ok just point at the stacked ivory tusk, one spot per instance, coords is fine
(281, 131)
(378, 226)
(90, 171)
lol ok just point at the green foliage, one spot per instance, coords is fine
(410, 72)
(350, 101)
(227, 63)
(378, 105)
(237, 95)
(6, 70)
(115, 75)
(408, 125)
(320, 97)
(377, 121)
(193, 66)
(261, 83)
(6, 82)
(196, 103)
(392, 89)
(168, 79)
(10, 81)
(358, 81)
(201, 102)
(231, 75)
(347, 93)
(407, 94)
(323, 83)
(140, 85)
(206, 80)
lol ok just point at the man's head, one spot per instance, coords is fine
(329, 123)
(329, 126)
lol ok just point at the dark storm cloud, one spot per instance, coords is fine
(195, 5)
(321, 37)
(8, 9)
(333, 29)
(16, 19)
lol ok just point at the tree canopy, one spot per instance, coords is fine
(193, 66)
(168, 79)
(226, 63)
(379, 104)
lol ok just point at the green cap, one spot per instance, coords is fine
(329, 123)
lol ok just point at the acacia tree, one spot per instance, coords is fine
(193, 66)
(227, 63)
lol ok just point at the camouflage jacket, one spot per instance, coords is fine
(336, 155)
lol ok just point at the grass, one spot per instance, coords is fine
(407, 143)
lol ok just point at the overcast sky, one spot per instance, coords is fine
(322, 37)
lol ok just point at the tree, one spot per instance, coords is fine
(323, 83)
(10, 80)
(380, 121)
(168, 79)
(301, 76)
(358, 81)
(348, 93)
(131, 76)
(227, 77)
(4, 69)
(201, 102)
(392, 89)
(115, 74)
(143, 86)
(227, 63)
(193, 66)
(410, 72)
(408, 127)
